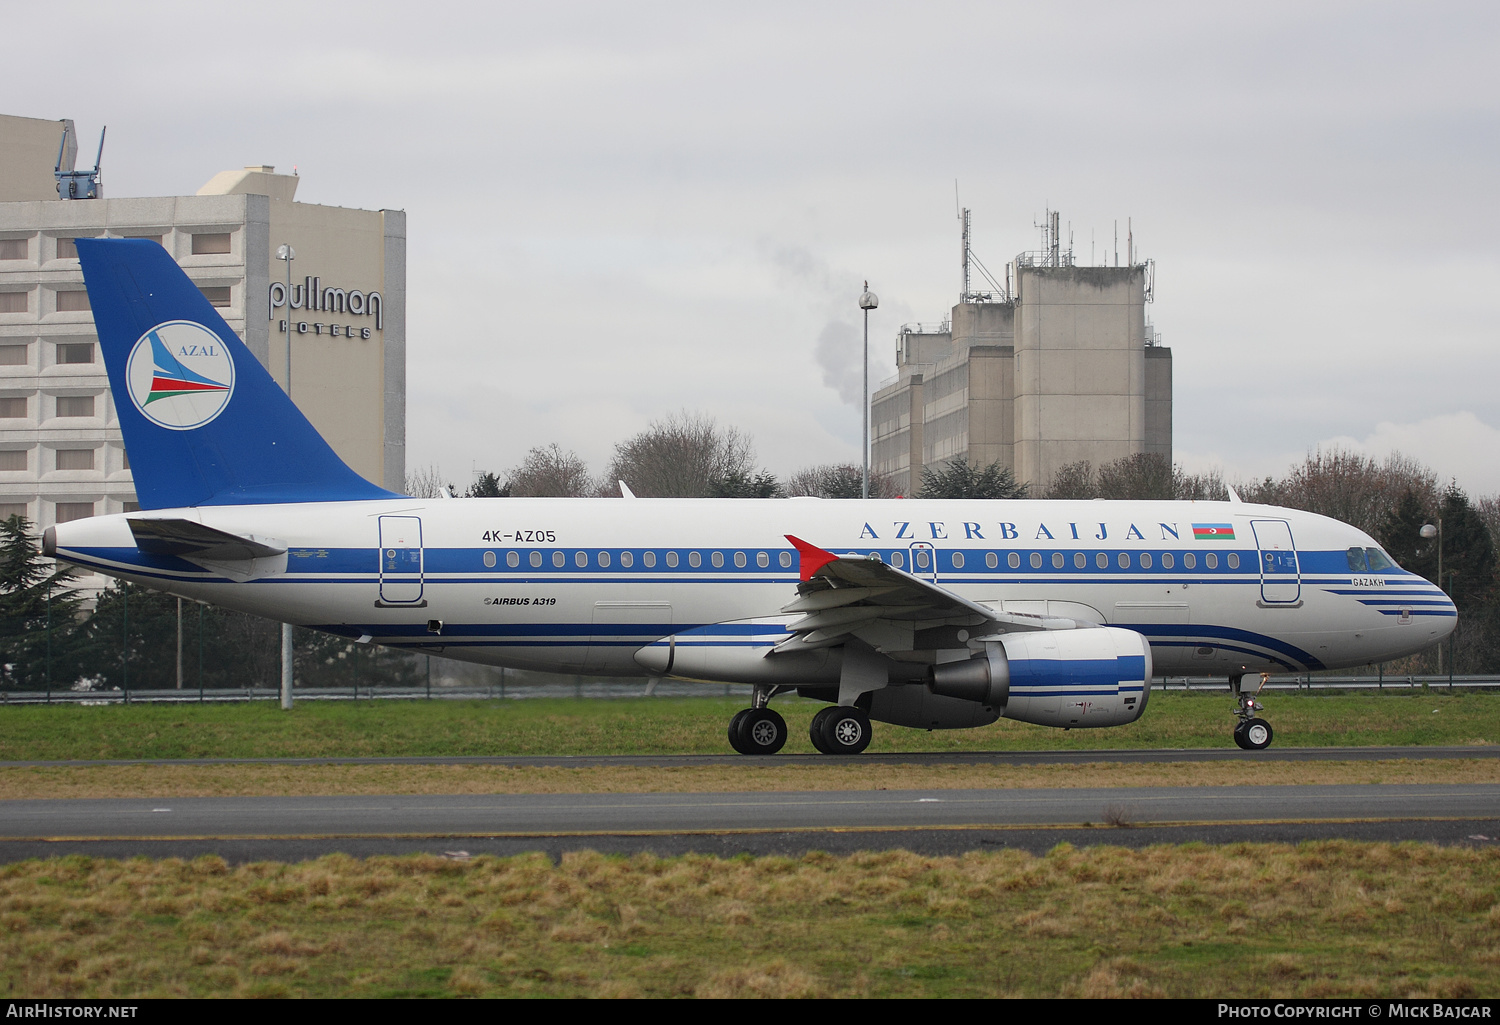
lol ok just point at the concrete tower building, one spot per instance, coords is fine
(1054, 366)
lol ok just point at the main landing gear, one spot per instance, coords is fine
(1251, 732)
(840, 730)
(835, 730)
(758, 730)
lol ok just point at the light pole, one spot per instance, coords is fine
(287, 253)
(867, 302)
(1429, 531)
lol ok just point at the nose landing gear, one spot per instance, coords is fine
(1251, 732)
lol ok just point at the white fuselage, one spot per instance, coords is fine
(581, 585)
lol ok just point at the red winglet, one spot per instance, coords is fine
(812, 559)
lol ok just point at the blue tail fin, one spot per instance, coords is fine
(204, 423)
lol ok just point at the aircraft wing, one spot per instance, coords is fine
(844, 596)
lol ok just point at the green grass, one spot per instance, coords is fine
(1324, 919)
(687, 726)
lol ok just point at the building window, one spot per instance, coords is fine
(75, 352)
(217, 295)
(125, 459)
(75, 405)
(211, 244)
(66, 249)
(12, 249)
(75, 459)
(131, 507)
(15, 460)
(74, 300)
(13, 409)
(13, 355)
(9, 509)
(12, 302)
(69, 511)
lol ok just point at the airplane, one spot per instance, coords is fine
(918, 613)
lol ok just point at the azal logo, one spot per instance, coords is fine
(180, 375)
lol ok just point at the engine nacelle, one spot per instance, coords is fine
(1070, 678)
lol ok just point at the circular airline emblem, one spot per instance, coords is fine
(180, 375)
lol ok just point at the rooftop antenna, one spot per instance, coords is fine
(73, 184)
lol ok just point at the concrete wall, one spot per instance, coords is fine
(28, 155)
(1079, 367)
(1159, 401)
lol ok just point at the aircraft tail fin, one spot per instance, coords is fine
(204, 423)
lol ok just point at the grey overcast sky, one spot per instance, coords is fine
(617, 211)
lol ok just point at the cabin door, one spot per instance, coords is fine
(401, 560)
(1280, 576)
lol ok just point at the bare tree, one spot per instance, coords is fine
(1142, 476)
(1074, 481)
(1350, 487)
(682, 456)
(551, 473)
(425, 482)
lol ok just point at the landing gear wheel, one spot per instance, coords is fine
(1253, 734)
(761, 732)
(815, 729)
(735, 739)
(846, 731)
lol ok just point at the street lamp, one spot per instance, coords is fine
(287, 253)
(867, 302)
(1429, 531)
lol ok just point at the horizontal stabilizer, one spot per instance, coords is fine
(188, 540)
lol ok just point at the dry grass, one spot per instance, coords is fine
(752, 775)
(1319, 919)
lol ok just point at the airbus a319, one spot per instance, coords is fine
(923, 614)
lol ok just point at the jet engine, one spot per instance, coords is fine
(1069, 678)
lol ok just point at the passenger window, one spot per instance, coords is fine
(580, 559)
(1356, 557)
(536, 558)
(898, 559)
(1166, 560)
(1014, 560)
(1101, 560)
(603, 560)
(558, 559)
(1211, 560)
(1233, 560)
(739, 559)
(672, 560)
(1189, 561)
(1036, 560)
(1123, 559)
(513, 559)
(762, 559)
(1080, 560)
(958, 560)
(717, 558)
(695, 560)
(648, 559)
(991, 560)
(627, 560)
(1057, 560)
(1145, 560)
(489, 560)
(921, 558)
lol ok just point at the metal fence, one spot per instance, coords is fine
(504, 685)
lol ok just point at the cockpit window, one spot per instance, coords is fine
(1379, 561)
(1357, 560)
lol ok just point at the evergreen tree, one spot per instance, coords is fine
(38, 612)
(960, 478)
(741, 483)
